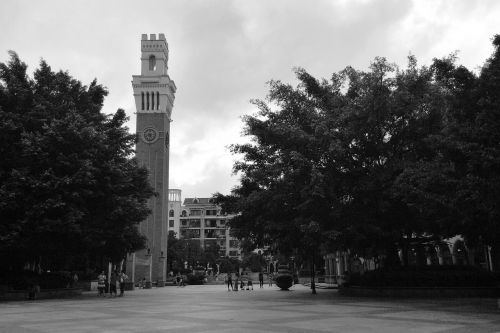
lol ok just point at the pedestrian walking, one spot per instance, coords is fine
(101, 284)
(261, 279)
(229, 281)
(122, 277)
(112, 284)
(242, 284)
(270, 277)
(236, 282)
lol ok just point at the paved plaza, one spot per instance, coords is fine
(214, 309)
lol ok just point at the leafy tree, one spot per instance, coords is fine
(371, 161)
(228, 265)
(254, 262)
(321, 167)
(70, 193)
(181, 251)
(463, 180)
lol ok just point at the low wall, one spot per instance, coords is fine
(20, 295)
(88, 285)
(427, 292)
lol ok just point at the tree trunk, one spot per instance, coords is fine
(495, 257)
(313, 277)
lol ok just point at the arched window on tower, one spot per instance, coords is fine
(157, 100)
(152, 100)
(152, 63)
(147, 101)
(171, 213)
(142, 100)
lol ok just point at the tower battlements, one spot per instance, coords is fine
(153, 45)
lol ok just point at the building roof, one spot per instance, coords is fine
(198, 201)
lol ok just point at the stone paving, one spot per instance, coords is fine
(214, 309)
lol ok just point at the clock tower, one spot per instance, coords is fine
(154, 94)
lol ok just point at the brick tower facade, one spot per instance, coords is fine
(154, 94)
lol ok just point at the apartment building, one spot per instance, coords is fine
(201, 220)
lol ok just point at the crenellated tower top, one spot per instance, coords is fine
(154, 55)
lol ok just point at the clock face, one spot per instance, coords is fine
(150, 135)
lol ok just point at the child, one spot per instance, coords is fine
(249, 284)
(101, 283)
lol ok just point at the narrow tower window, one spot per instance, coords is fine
(142, 100)
(157, 100)
(152, 63)
(152, 100)
(147, 101)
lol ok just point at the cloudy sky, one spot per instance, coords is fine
(223, 52)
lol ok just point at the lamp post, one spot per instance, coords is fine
(150, 259)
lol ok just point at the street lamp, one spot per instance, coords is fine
(150, 259)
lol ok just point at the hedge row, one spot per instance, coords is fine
(25, 279)
(427, 276)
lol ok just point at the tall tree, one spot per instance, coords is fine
(463, 179)
(69, 189)
(321, 171)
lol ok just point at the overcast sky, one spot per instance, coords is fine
(223, 52)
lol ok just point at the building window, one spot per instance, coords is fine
(147, 101)
(233, 253)
(210, 223)
(170, 223)
(195, 223)
(183, 214)
(195, 212)
(152, 63)
(152, 101)
(142, 100)
(233, 243)
(157, 100)
(211, 212)
(171, 213)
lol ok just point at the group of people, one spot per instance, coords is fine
(240, 282)
(115, 279)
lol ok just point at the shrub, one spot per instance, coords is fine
(55, 280)
(195, 278)
(22, 280)
(426, 276)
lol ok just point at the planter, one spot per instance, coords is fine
(284, 279)
(424, 292)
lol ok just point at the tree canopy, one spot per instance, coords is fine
(69, 189)
(368, 161)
